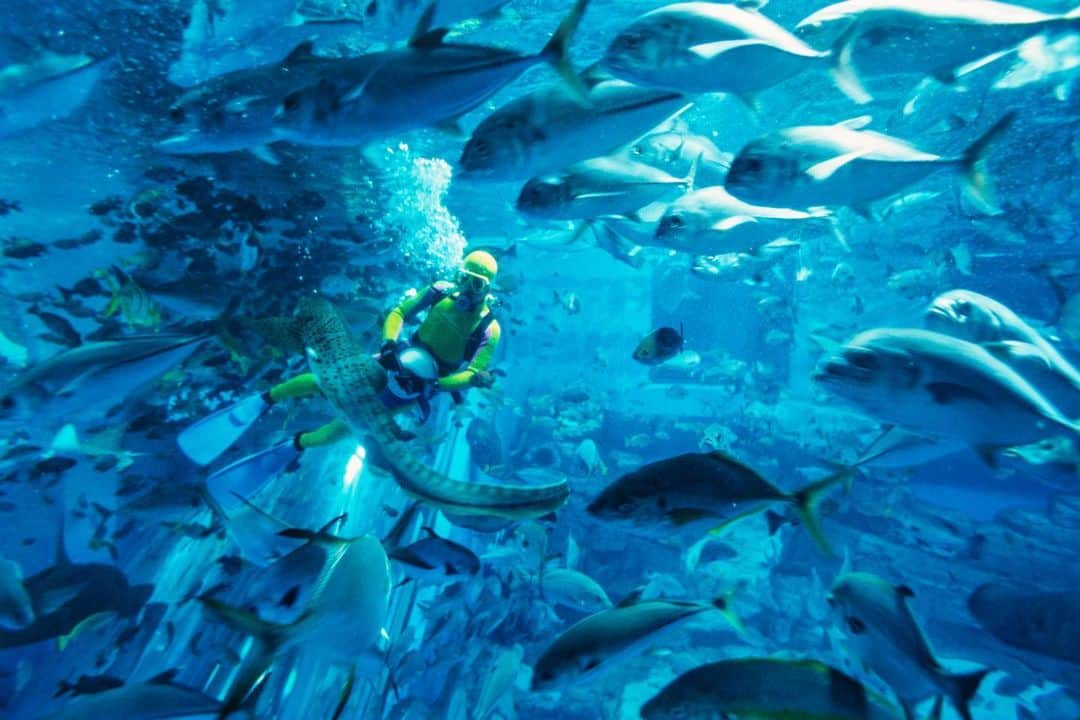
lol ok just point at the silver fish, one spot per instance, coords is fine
(980, 319)
(926, 37)
(426, 84)
(597, 642)
(676, 152)
(711, 220)
(843, 165)
(888, 638)
(598, 187)
(703, 47)
(94, 375)
(550, 129)
(235, 111)
(768, 688)
(938, 385)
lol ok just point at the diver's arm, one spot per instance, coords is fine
(480, 360)
(410, 306)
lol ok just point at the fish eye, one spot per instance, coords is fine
(675, 221)
(964, 308)
(861, 359)
(177, 114)
(753, 164)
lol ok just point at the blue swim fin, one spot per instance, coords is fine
(234, 483)
(204, 441)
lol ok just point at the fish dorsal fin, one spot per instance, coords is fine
(827, 168)
(422, 27)
(431, 39)
(633, 598)
(303, 51)
(393, 538)
(165, 678)
(855, 123)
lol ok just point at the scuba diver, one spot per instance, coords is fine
(449, 352)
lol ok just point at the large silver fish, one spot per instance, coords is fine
(711, 220)
(935, 384)
(844, 165)
(65, 594)
(95, 375)
(550, 129)
(48, 87)
(711, 487)
(235, 111)
(597, 642)
(703, 47)
(769, 689)
(605, 186)
(677, 152)
(425, 84)
(980, 319)
(885, 634)
(925, 37)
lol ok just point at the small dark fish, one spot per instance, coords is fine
(125, 234)
(6, 506)
(54, 465)
(60, 326)
(21, 451)
(23, 249)
(27, 542)
(106, 463)
(107, 206)
(125, 529)
(659, 345)
(163, 174)
(9, 206)
(392, 512)
(87, 238)
(231, 564)
(87, 685)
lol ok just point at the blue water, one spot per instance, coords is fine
(100, 224)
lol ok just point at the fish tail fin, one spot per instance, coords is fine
(556, 51)
(977, 184)
(808, 500)
(724, 605)
(963, 687)
(935, 711)
(843, 69)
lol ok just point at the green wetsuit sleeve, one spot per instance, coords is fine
(405, 310)
(331, 432)
(480, 360)
(300, 386)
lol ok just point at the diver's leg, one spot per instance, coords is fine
(329, 433)
(304, 385)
